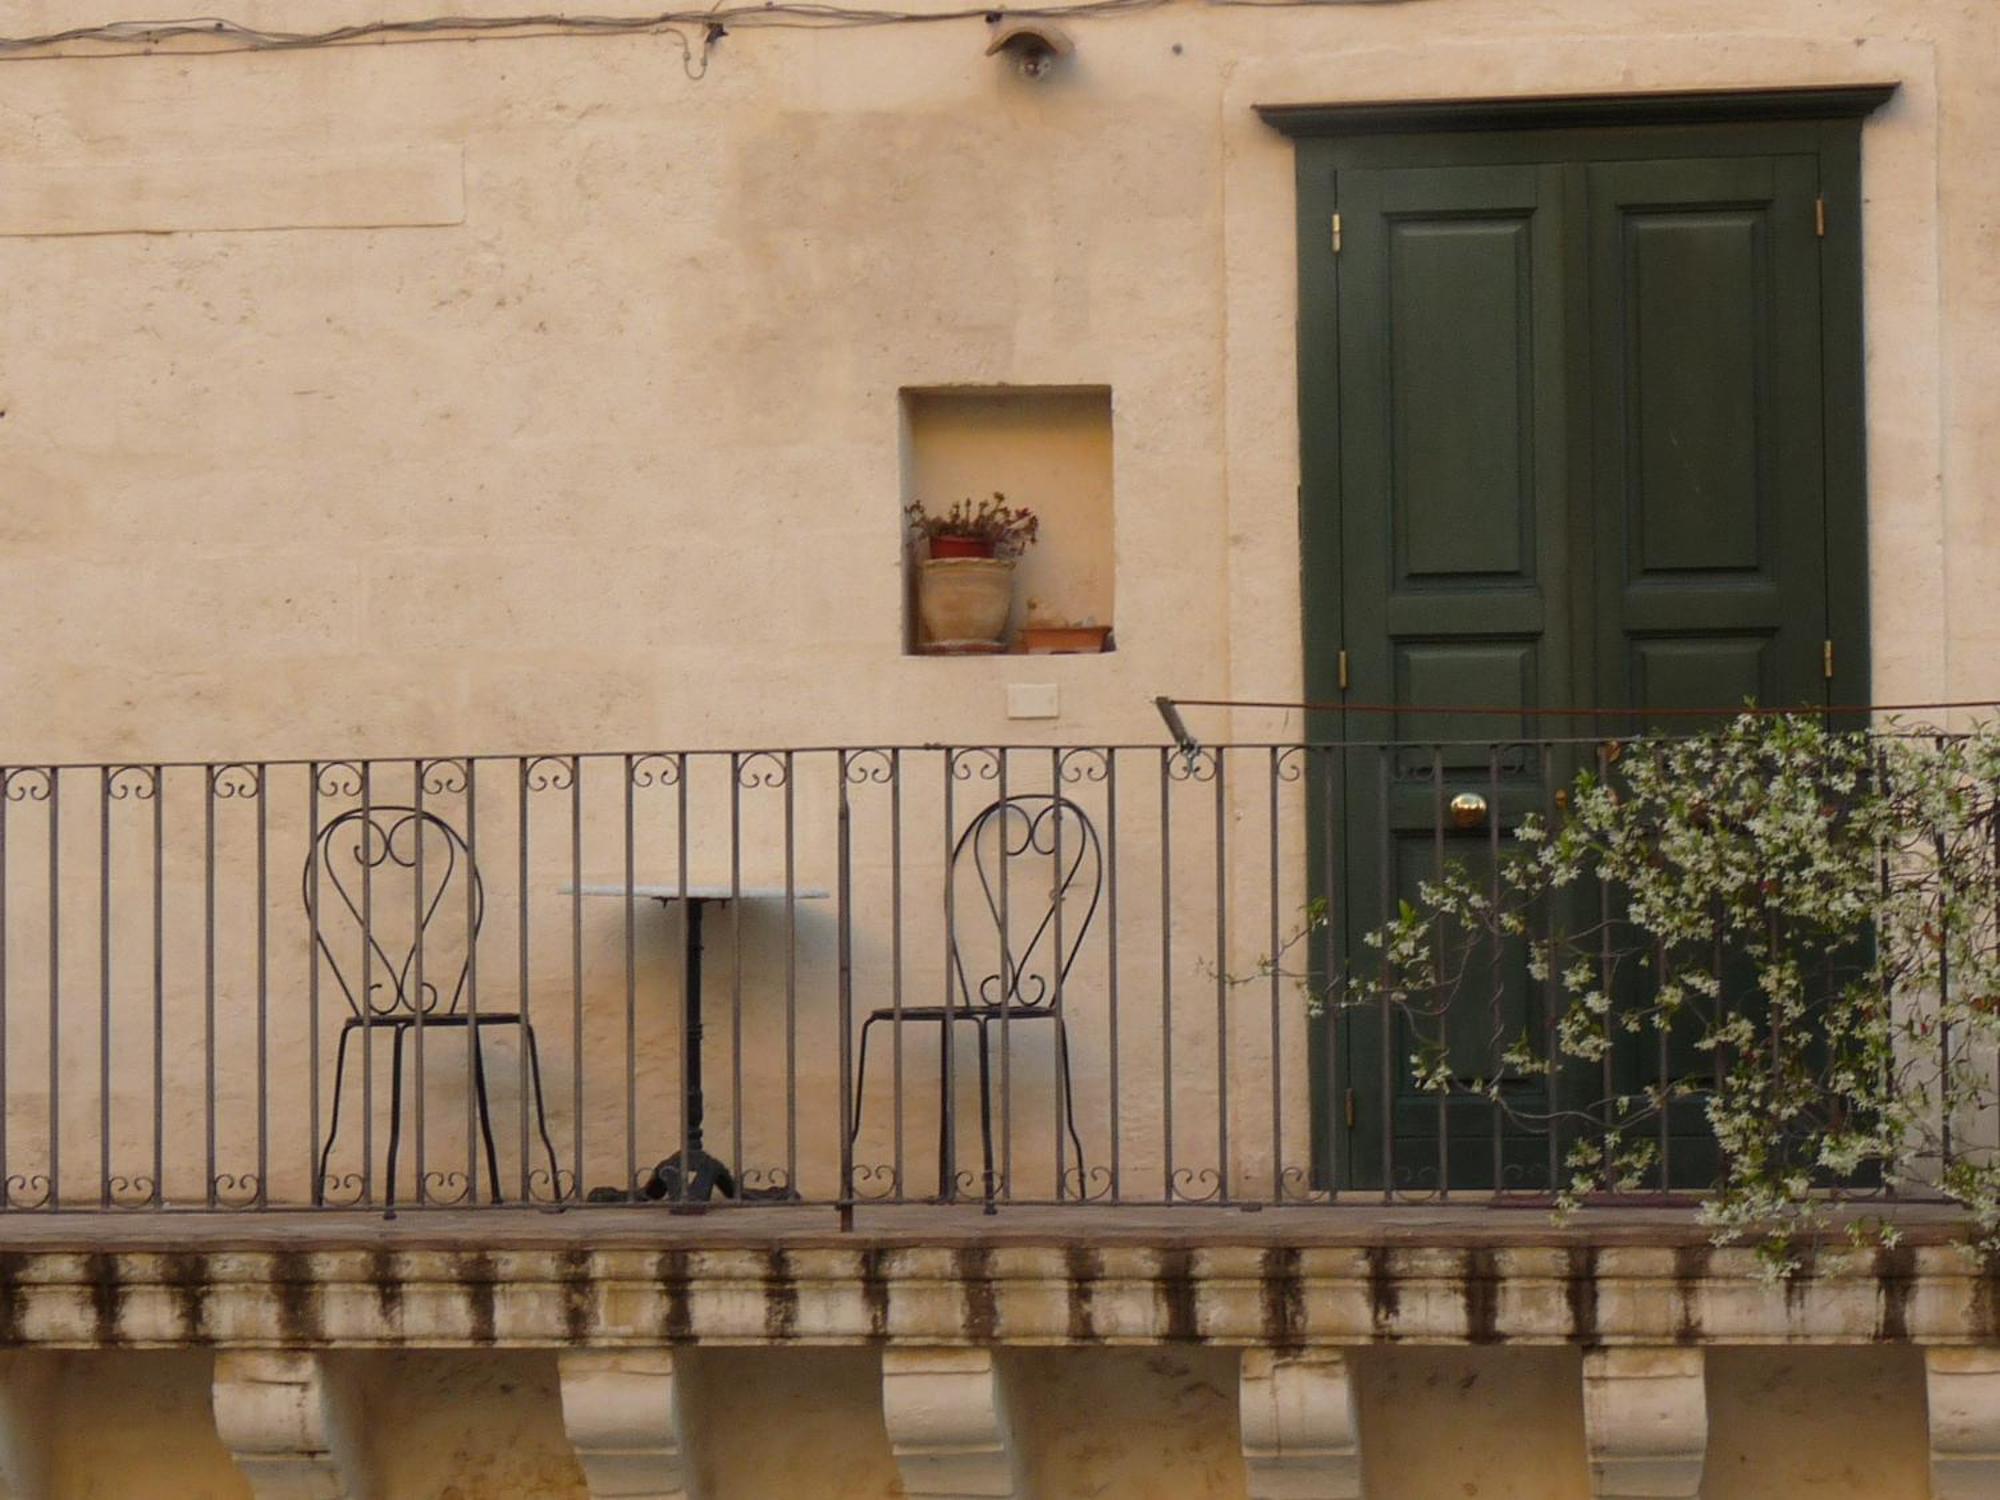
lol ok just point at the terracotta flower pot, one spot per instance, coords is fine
(960, 546)
(1064, 640)
(963, 602)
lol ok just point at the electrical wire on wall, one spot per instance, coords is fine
(137, 38)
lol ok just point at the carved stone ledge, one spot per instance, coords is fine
(623, 1419)
(947, 1421)
(1645, 1419)
(1964, 1388)
(289, 1421)
(1301, 1440)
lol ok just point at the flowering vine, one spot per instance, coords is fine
(1816, 911)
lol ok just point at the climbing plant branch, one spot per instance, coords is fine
(1811, 915)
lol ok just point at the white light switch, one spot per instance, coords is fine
(1031, 700)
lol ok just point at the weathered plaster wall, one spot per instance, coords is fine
(528, 394)
(566, 415)
(1435, 1424)
(131, 1427)
(1822, 1422)
(772, 1422)
(440, 1423)
(1457, 1422)
(1127, 1424)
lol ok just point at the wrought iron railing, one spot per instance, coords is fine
(832, 976)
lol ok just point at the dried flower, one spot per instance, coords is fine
(1011, 530)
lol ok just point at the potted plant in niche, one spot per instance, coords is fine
(965, 577)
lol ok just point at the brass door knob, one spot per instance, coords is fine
(1468, 809)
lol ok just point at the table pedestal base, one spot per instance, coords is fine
(706, 1177)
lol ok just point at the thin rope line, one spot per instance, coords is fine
(1502, 711)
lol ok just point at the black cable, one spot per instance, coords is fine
(784, 13)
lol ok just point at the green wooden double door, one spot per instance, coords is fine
(1580, 424)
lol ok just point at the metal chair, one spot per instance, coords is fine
(1054, 871)
(368, 845)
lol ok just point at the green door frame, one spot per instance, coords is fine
(1821, 122)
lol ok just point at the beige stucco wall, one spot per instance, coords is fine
(129, 1427)
(594, 443)
(1831, 1422)
(528, 394)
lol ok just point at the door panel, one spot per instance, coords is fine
(1705, 369)
(1451, 424)
(1452, 437)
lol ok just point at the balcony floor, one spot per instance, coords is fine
(1361, 1224)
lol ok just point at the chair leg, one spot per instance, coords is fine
(986, 1114)
(1069, 1106)
(860, 1085)
(485, 1110)
(333, 1122)
(947, 1144)
(395, 1115)
(541, 1116)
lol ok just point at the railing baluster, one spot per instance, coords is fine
(366, 996)
(1946, 1087)
(414, 998)
(1276, 952)
(1061, 886)
(1221, 977)
(736, 968)
(312, 895)
(791, 977)
(159, 1186)
(1333, 914)
(523, 985)
(1609, 1080)
(55, 996)
(263, 1194)
(844, 985)
(478, 1107)
(1665, 1076)
(104, 987)
(631, 1180)
(690, 1035)
(1166, 974)
(1116, 1111)
(1008, 981)
(1385, 864)
(1552, 991)
(1497, 979)
(900, 1182)
(208, 982)
(947, 1040)
(578, 1112)
(6, 1090)
(1444, 997)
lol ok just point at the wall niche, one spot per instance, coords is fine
(1044, 447)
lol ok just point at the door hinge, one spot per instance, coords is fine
(1336, 234)
(1343, 669)
(1819, 216)
(1350, 1109)
(1826, 659)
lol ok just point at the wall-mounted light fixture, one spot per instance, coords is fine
(1034, 47)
